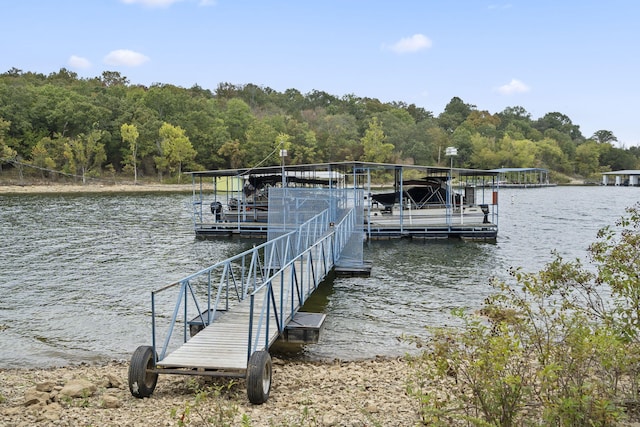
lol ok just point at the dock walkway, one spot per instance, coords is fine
(224, 346)
(250, 300)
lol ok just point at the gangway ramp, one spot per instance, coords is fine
(250, 300)
(225, 345)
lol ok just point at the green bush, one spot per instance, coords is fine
(558, 347)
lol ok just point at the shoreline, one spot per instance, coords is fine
(337, 393)
(58, 188)
(122, 188)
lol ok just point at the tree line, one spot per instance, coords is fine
(59, 124)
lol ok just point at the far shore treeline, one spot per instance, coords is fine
(58, 127)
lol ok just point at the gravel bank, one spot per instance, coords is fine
(361, 393)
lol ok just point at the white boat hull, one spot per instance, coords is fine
(427, 216)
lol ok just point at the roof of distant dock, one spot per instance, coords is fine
(506, 170)
(623, 172)
(344, 167)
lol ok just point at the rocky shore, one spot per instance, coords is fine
(357, 393)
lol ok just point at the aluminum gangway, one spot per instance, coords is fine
(250, 300)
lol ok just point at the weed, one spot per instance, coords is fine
(219, 410)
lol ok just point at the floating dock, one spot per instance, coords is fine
(233, 311)
(423, 202)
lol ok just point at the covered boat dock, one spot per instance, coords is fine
(629, 177)
(416, 202)
(523, 177)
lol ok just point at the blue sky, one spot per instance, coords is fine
(579, 58)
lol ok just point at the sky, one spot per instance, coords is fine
(580, 58)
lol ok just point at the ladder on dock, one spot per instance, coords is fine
(233, 311)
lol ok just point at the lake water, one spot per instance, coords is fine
(76, 270)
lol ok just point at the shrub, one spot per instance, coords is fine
(558, 347)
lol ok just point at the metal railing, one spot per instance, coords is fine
(230, 281)
(344, 231)
(296, 281)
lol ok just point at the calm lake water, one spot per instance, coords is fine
(76, 270)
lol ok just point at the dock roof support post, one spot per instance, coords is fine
(399, 174)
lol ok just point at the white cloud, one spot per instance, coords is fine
(152, 3)
(79, 62)
(125, 57)
(514, 86)
(411, 44)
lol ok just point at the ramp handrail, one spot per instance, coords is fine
(234, 276)
(343, 232)
(321, 255)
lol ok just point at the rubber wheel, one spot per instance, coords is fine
(142, 381)
(259, 377)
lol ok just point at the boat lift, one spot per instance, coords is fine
(233, 311)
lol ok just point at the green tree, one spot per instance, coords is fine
(518, 153)
(454, 114)
(7, 153)
(233, 152)
(604, 137)
(550, 155)
(373, 143)
(560, 122)
(237, 117)
(613, 158)
(304, 144)
(483, 122)
(42, 157)
(261, 144)
(423, 146)
(53, 156)
(485, 153)
(207, 132)
(322, 127)
(588, 158)
(114, 78)
(399, 129)
(148, 125)
(516, 123)
(338, 138)
(461, 139)
(130, 135)
(87, 154)
(176, 149)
